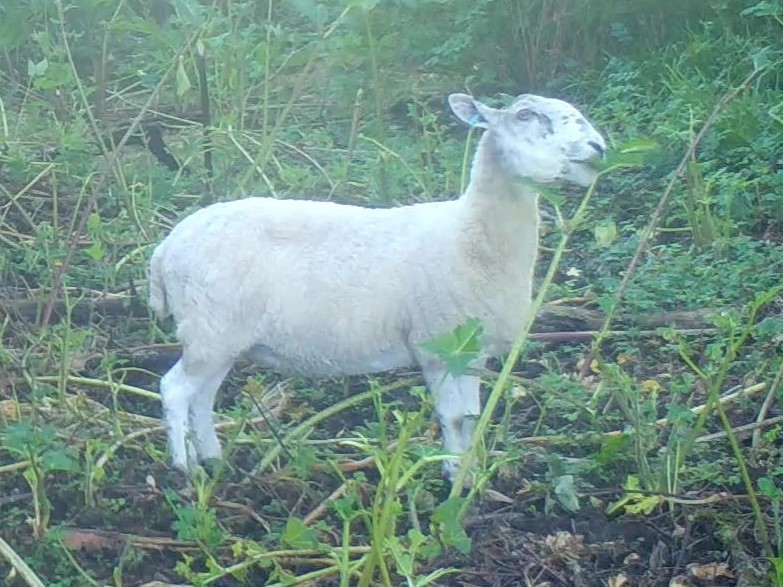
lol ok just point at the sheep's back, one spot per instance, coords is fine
(309, 284)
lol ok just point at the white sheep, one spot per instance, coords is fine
(321, 289)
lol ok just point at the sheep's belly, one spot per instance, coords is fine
(329, 366)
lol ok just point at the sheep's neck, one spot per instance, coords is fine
(501, 213)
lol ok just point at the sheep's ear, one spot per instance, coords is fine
(469, 111)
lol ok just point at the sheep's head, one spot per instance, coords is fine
(542, 139)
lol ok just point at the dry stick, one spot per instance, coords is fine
(13, 199)
(754, 426)
(660, 209)
(114, 162)
(18, 564)
(773, 390)
(321, 509)
(566, 336)
(725, 399)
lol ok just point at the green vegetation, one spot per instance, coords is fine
(647, 452)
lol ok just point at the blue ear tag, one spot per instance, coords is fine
(475, 119)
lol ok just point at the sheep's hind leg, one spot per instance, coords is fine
(182, 391)
(201, 422)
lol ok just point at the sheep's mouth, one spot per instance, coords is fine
(592, 163)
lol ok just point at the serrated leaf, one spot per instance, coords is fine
(453, 534)
(402, 557)
(298, 535)
(347, 507)
(458, 348)
(58, 460)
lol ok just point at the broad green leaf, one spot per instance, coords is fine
(458, 348)
(453, 534)
(297, 535)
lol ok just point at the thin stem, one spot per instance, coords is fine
(516, 349)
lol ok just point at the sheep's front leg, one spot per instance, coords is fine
(185, 400)
(458, 405)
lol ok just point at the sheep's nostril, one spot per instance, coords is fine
(597, 147)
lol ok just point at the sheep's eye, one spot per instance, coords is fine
(525, 114)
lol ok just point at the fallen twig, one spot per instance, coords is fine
(753, 426)
(18, 564)
(321, 509)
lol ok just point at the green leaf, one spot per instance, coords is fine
(347, 507)
(631, 153)
(94, 224)
(402, 557)
(764, 8)
(95, 251)
(17, 437)
(545, 191)
(635, 502)
(612, 449)
(777, 572)
(566, 494)
(298, 535)
(431, 549)
(458, 348)
(605, 233)
(452, 532)
(183, 81)
(58, 460)
(645, 505)
(769, 489)
(37, 69)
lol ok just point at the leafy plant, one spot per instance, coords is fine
(45, 454)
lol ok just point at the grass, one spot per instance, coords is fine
(585, 444)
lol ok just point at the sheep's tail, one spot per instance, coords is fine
(157, 285)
